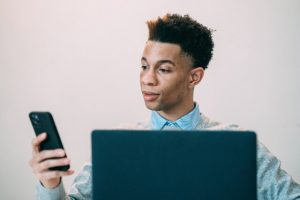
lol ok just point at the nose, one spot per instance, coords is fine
(148, 77)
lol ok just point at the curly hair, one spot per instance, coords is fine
(194, 38)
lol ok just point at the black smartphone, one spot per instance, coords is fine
(43, 122)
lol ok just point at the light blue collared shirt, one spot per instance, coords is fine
(186, 122)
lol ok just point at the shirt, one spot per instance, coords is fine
(273, 183)
(187, 122)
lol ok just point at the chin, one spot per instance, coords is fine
(152, 107)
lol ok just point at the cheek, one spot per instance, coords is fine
(175, 90)
(141, 77)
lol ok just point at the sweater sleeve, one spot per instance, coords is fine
(81, 188)
(57, 193)
(273, 183)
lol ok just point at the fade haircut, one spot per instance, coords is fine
(194, 39)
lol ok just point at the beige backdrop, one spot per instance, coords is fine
(80, 60)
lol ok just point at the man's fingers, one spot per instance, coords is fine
(46, 154)
(41, 161)
(55, 174)
(37, 141)
(45, 165)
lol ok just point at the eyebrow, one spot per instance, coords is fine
(161, 61)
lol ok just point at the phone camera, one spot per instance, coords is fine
(35, 119)
(35, 116)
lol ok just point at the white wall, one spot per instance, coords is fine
(79, 59)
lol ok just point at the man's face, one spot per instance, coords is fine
(164, 77)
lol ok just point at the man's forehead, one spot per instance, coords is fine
(155, 51)
(161, 49)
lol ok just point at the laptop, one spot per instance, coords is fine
(173, 165)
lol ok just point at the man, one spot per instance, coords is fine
(176, 54)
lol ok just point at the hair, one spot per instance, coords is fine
(194, 38)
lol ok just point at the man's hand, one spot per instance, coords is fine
(41, 162)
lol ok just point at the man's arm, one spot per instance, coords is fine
(273, 183)
(80, 189)
(57, 193)
(50, 186)
(82, 185)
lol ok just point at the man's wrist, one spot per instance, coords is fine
(51, 184)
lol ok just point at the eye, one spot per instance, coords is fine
(164, 71)
(144, 67)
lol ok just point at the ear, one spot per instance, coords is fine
(196, 76)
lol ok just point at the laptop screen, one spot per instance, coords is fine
(169, 165)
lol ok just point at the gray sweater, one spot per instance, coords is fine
(273, 183)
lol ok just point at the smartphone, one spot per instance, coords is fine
(43, 122)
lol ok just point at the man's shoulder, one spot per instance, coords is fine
(144, 125)
(208, 124)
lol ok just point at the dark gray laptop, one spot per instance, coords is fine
(173, 165)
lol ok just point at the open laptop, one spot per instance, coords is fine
(173, 165)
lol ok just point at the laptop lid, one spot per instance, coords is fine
(170, 165)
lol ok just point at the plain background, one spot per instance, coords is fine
(80, 59)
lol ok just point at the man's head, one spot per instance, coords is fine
(173, 62)
(194, 39)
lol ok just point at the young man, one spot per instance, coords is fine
(176, 54)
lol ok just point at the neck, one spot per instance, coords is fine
(175, 113)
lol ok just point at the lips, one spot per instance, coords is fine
(150, 96)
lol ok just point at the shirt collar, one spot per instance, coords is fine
(186, 122)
